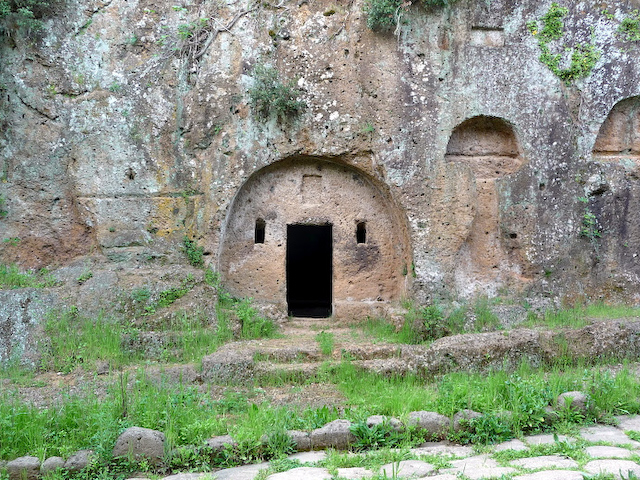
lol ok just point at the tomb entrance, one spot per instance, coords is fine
(315, 237)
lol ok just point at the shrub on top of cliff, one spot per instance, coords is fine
(384, 15)
(270, 96)
(24, 16)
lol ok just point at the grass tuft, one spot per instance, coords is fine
(12, 277)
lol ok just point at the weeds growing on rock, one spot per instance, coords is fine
(12, 277)
(629, 29)
(193, 252)
(3, 212)
(583, 57)
(270, 96)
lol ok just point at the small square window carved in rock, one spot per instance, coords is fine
(259, 231)
(361, 232)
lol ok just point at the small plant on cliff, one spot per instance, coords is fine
(583, 56)
(12, 277)
(269, 96)
(193, 252)
(590, 229)
(24, 16)
(629, 29)
(3, 212)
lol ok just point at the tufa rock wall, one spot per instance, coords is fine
(127, 125)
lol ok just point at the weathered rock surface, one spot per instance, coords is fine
(618, 468)
(302, 440)
(433, 424)
(392, 422)
(548, 461)
(406, 468)
(24, 468)
(228, 364)
(507, 348)
(577, 401)
(462, 418)
(52, 464)
(79, 460)
(336, 434)
(219, 443)
(117, 142)
(308, 473)
(141, 443)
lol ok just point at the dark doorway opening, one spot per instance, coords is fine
(309, 270)
(259, 231)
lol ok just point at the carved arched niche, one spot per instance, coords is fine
(370, 246)
(619, 137)
(489, 147)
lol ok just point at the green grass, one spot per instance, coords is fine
(580, 316)
(12, 277)
(326, 342)
(74, 340)
(188, 415)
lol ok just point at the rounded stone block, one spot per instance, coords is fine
(336, 434)
(393, 422)
(547, 461)
(219, 443)
(141, 443)
(607, 452)
(24, 468)
(433, 423)
(79, 461)
(462, 418)
(52, 464)
(578, 401)
(302, 440)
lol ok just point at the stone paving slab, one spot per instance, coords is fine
(446, 476)
(407, 468)
(546, 438)
(612, 466)
(552, 475)
(309, 457)
(453, 450)
(355, 473)
(306, 473)
(606, 459)
(246, 472)
(629, 423)
(478, 467)
(188, 476)
(547, 461)
(515, 444)
(605, 433)
(607, 452)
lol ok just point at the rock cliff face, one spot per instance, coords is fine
(472, 167)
